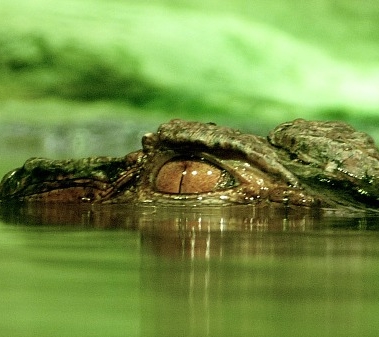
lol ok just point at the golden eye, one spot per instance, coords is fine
(192, 176)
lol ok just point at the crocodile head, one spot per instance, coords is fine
(303, 163)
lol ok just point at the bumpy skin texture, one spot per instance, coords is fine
(304, 163)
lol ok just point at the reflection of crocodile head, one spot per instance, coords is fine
(323, 164)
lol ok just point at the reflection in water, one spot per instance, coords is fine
(184, 219)
(240, 270)
(266, 296)
(263, 283)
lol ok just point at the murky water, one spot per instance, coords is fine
(187, 271)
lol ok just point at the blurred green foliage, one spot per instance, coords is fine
(228, 62)
(72, 71)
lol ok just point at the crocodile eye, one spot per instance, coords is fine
(192, 176)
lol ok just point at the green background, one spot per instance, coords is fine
(90, 77)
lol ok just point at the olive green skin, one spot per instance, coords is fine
(302, 163)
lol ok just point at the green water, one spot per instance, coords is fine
(69, 283)
(152, 271)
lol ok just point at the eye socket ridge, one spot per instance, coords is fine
(192, 175)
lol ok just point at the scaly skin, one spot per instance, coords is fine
(311, 164)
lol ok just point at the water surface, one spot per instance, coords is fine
(187, 271)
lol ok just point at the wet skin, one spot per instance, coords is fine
(303, 163)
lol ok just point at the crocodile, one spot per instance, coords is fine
(321, 164)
